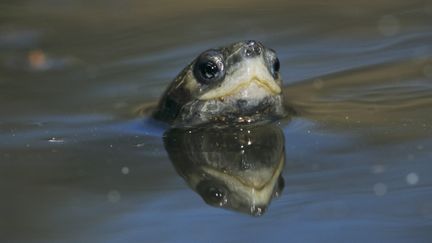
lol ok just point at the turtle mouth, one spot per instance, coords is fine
(268, 86)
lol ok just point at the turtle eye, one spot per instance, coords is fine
(213, 193)
(208, 70)
(273, 63)
(276, 65)
(209, 67)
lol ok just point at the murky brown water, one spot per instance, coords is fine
(77, 165)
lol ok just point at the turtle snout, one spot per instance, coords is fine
(252, 48)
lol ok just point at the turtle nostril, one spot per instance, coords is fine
(253, 48)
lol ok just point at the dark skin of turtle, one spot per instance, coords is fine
(239, 83)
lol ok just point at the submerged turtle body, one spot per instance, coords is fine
(239, 83)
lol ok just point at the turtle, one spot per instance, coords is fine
(239, 85)
(236, 84)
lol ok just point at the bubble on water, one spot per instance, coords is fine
(125, 170)
(380, 189)
(412, 178)
(388, 25)
(139, 145)
(55, 140)
(427, 71)
(113, 196)
(378, 169)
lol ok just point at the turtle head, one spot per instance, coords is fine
(237, 83)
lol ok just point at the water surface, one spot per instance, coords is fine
(78, 165)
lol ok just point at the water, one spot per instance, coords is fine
(78, 165)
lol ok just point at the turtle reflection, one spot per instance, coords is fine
(237, 168)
